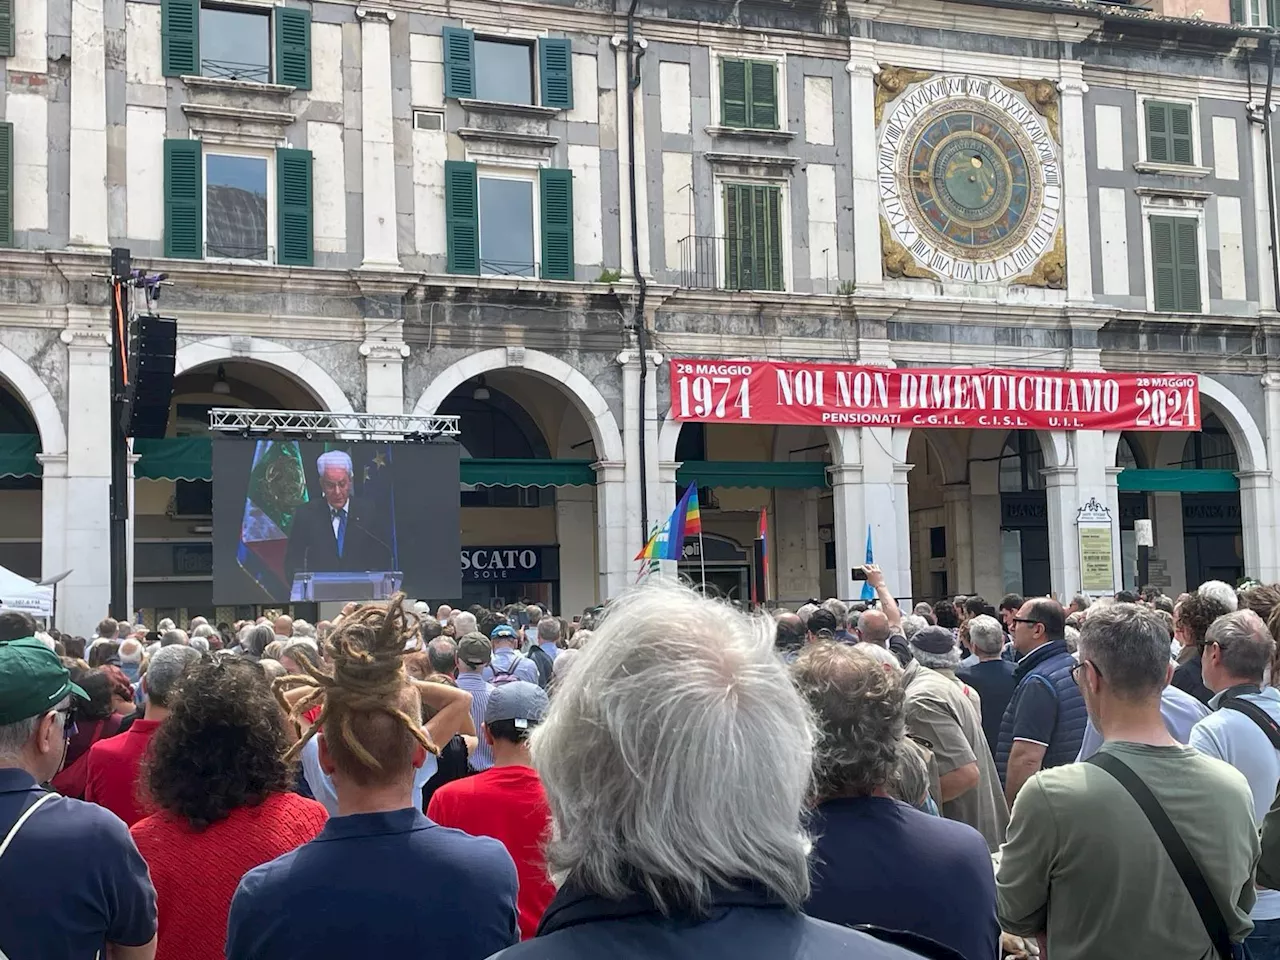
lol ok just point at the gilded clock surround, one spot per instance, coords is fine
(970, 181)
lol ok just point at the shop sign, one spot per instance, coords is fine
(513, 564)
(844, 395)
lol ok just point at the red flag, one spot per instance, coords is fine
(764, 535)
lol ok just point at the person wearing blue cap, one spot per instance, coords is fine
(71, 880)
(508, 663)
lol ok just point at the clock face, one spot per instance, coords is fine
(969, 179)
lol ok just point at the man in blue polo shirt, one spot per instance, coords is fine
(72, 883)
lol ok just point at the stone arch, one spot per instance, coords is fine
(669, 436)
(1250, 447)
(268, 353)
(581, 391)
(31, 390)
(947, 446)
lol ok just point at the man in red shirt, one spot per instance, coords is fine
(111, 775)
(507, 801)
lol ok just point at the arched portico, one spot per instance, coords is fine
(297, 366)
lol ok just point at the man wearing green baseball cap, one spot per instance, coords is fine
(105, 905)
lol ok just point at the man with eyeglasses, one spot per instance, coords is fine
(1084, 866)
(71, 880)
(1045, 720)
(1244, 730)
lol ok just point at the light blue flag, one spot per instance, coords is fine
(868, 591)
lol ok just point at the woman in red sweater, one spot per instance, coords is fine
(217, 776)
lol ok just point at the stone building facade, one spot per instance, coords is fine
(426, 207)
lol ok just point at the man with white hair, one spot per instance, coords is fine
(1224, 593)
(464, 622)
(671, 845)
(840, 610)
(991, 675)
(338, 532)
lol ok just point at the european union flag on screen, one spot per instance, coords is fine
(374, 471)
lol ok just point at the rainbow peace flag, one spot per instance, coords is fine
(685, 521)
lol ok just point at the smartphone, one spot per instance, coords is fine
(859, 573)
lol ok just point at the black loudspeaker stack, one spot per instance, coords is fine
(152, 349)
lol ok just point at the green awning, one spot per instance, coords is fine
(18, 455)
(174, 458)
(528, 473)
(1178, 481)
(797, 475)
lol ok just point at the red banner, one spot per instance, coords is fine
(843, 395)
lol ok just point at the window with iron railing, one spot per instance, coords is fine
(749, 254)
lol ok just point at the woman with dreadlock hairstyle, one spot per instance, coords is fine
(380, 876)
(368, 651)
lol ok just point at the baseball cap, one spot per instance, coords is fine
(502, 630)
(525, 703)
(32, 680)
(475, 650)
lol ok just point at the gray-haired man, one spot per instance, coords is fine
(337, 532)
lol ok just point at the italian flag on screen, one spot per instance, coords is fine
(277, 487)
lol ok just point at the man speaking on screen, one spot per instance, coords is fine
(339, 533)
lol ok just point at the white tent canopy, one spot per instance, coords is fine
(19, 593)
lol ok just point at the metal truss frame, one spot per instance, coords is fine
(312, 423)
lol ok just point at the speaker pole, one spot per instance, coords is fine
(120, 268)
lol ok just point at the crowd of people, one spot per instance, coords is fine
(667, 776)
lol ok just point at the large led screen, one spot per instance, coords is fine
(297, 521)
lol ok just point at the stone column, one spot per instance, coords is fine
(632, 423)
(664, 503)
(384, 352)
(88, 201)
(84, 597)
(1075, 186)
(576, 533)
(53, 527)
(1113, 504)
(612, 530)
(850, 527)
(1257, 524)
(862, 67)
(1064, 552)
(902, 584)
(796, 560)
(381, 250)
(1169, 555)
(955, 501)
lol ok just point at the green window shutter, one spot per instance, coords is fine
(1273, 12)
(555, 64)
(763, 90)
(293, 47)
(1158, 150)
(733, 93)
(183, 200)
(733, 236)
(1187, 254)
(461, 217)
(557, 224)
(6, 184)
(1180, 133)
(7, 39)
(459, 62)
(772, 233)
(180, 33)
(293, 208)
(1164, 270)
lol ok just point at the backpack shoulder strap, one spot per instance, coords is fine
(1255, 713)
(26, 814)
(1183, 860)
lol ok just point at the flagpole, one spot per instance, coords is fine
(702, 557)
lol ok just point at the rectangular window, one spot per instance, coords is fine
(753, 237)
(1175, 264)
(749, 94)
(237, 221)
(503, 71)
(236, 43)
(506, 227)
(1169, 133)
(8, 41)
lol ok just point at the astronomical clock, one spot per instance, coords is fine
(970, 178)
